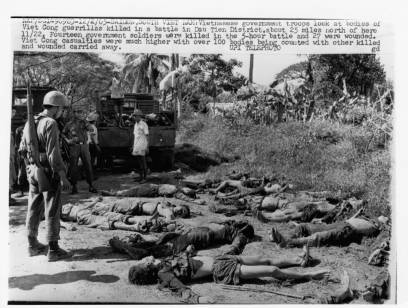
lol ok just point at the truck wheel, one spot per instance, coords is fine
(162, 159)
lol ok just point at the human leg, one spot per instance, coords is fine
(74, 153)
(52, 213)
(123, 247)
(303, 260)
(22, 175)
(34, 213)
(132, 220)
(220, 187)
(139, 166)
(258, 260)
(92, 153)
(306, 229)
(144, 167)
(86, 160)
(341, 235)
(277, 216)
(259, 271)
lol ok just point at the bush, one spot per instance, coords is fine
(320, 155)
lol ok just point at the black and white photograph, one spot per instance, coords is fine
(200, 177)
(184, 171)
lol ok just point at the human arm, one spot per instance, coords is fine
(169, 281)
(330, 217)
(69, 133)
(53, 153)
(237, 245)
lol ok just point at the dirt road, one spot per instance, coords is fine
(96, 274)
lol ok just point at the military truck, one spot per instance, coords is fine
(19, 103)
(115, 128)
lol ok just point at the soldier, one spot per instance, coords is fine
(76, 135)
(12, 174)
(22, 183)
(51, 161)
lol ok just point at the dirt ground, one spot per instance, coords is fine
(96, 274)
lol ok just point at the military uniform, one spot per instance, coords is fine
(76, 132)
(51, 160)
(46, 176)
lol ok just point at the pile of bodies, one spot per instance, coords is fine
(318, 219)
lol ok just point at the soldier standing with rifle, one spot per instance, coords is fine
(46, 174)
(75, 132)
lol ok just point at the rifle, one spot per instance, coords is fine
(33, 154)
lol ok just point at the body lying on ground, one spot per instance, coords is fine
(175, 272)
(130, 214)
(201, 185)
(243, 191)
(381, 255)
(213, 184)
(304, 211)
(304, 207)
(235, 233)
(149, 190)
(342, 295)
(287, 206)
(379, 289)
(335, 234)
(243, 184)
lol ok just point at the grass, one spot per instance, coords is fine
(319, 155)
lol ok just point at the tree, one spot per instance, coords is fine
(210, 75)
(80, 76)
(359, 72)
(293, 70)
(142, 71)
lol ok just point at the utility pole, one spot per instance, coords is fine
(175, 64)
(251, 68)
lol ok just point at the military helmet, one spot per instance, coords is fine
(55, 98)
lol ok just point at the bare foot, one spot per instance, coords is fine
(345, 292)
(276, 237)
(293, 223)
(306, 259)
(319, 274)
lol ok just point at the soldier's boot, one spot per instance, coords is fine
(35, 248)
(55, 253)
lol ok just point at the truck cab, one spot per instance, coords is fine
(115, 128)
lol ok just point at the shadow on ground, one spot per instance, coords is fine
(100, 252)
(17, 214)
(29, 282)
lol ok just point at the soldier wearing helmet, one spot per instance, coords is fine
(51, 160)
(76, 133)
(140, 143)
